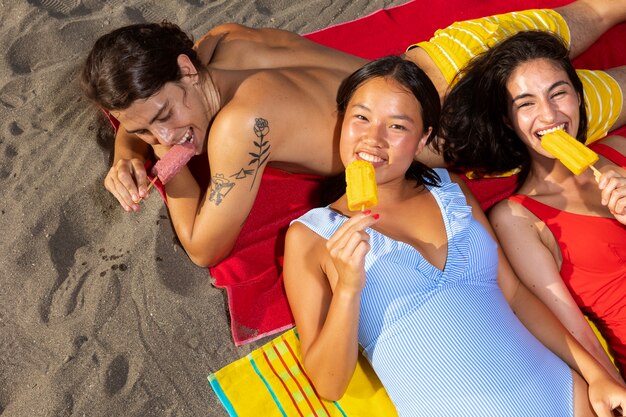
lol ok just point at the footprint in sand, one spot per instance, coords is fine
(116, 375)
(78, 285)
(65, 8)
(31, 51)
(151, 11)
(63, 244)
(10, 152)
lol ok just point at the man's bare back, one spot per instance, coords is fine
(286, 80)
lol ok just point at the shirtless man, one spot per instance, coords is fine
(261, 91)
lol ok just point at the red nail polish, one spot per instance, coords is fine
(376, 216)
(367, 212)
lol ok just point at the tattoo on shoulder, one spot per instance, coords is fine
(261, 153)
(220, 187)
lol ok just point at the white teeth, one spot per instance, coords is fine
(369, 157)
(554, 129)
(187, 137)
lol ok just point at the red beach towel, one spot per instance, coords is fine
(252, 273)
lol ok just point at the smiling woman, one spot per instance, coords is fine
(563, 233)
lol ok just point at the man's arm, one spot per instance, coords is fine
(208, 222)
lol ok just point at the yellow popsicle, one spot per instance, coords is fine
(361, 185)
(573, 154)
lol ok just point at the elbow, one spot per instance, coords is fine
(207, 257)
(330, 393)
(330, 387)
(205, 260)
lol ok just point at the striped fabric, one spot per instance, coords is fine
(271, 381)
(603, 102)
(445, 342)
(453, 47)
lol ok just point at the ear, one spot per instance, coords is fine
(185, 65)
(422, 142)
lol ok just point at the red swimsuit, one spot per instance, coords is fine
(594, 262)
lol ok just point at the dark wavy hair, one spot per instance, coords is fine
(134, 62)
(473, 130)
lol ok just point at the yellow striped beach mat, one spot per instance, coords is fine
(271, 381)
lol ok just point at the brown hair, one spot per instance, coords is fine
(134, 62)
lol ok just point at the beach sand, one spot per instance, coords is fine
(101, 311)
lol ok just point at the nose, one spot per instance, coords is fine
(547, 111)
(375, 135)
(164, 135)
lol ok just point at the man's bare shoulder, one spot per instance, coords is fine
(240, 124)
(234, 46)
(235, 40)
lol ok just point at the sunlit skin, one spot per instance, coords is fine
(541, 97)
(382, 125)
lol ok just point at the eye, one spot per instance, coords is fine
(360, 117)
(165, 118)
(398, 127)
(525, 104)
(559, 94)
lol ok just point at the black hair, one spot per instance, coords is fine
(475, 135)
(134, 62)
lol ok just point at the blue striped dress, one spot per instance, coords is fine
(447, 343)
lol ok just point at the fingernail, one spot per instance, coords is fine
(376, 216)
(134, 197)
(367, 212)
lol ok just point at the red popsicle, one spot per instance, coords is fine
(173, 161)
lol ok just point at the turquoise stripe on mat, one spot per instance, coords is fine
(267, 385)
(222, 396)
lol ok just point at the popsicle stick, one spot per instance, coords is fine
(154, 180)
(596, 173)
(148, 189)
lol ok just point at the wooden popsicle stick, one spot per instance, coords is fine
(596, 173)
(147, 189)
(151, 184)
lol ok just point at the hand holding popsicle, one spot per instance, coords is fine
(613, 187)
(573, 154)
(361, 187)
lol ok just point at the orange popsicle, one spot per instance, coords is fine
(573, 154)
(361, 185)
